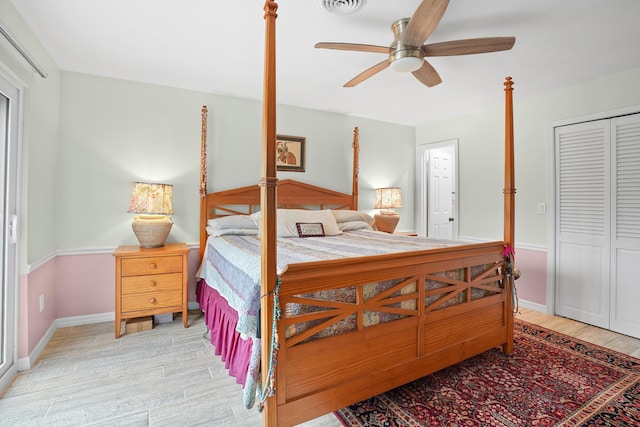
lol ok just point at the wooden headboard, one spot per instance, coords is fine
(291, 194)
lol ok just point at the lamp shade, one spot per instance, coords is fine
(388, 198)
(153, 202)
(151, 199)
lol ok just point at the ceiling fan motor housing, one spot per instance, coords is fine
(403, 57)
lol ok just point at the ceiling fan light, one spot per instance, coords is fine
(342, 7)
(406, 64)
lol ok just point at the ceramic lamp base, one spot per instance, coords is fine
(152, 231)
(387, 222)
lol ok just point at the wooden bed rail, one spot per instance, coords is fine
(336, 273)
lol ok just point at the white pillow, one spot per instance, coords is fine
(216, 232)
(287, 219)
(354, 225)
(344, 215)
(232, 222)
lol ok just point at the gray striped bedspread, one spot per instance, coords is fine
(232, 262)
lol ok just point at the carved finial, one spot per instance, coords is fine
(508, 83)
(270, 8)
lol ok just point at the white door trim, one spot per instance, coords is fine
(422, 173)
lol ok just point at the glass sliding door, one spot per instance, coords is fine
(9, 122)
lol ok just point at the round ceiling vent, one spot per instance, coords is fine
(342, 7)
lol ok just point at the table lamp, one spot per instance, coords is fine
(153, 203)
(387, 199)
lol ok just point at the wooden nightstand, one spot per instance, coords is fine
(151, 281)
(406, 233)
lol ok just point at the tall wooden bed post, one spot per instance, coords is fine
(203, 181)
(268, 184)
(509, 207)
(356, 167)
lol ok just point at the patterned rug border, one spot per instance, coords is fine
(615, 405)
(587, 415)
(581, 346)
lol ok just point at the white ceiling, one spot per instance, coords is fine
(218, 46)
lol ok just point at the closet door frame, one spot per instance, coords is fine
(551, 191)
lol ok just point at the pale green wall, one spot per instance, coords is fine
(87, 138)
(39, 138)
(481, 141)
(114, 132)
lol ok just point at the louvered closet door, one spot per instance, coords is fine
(625, 238)
(582, 222)
(598, 223)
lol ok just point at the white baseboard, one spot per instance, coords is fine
(26, 363)
(533, 306)
(88, 319)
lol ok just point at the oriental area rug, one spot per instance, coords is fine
(550, 380)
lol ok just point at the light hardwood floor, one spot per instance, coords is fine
(166, 376)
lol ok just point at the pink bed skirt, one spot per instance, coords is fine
(221, 320)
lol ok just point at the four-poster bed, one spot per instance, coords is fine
(432, 307)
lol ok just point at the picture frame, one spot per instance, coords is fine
(290, 153)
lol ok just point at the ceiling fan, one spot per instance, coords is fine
(408, 51)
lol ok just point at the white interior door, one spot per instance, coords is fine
(9, 120)
(437, 205)
(440, 193)
(582, 222)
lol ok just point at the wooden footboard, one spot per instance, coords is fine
(437, 308)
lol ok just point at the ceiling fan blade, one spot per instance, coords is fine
(427, 75)
(367, 73)
(353, 47)
(424, 21)
(469, 46)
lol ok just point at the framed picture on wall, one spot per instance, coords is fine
(290, 153)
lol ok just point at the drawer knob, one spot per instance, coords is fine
(153, 265)
(153, 283)
(153, 301)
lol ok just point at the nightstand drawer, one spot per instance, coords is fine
(151, 300)
(150, 283)
(151, 265)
